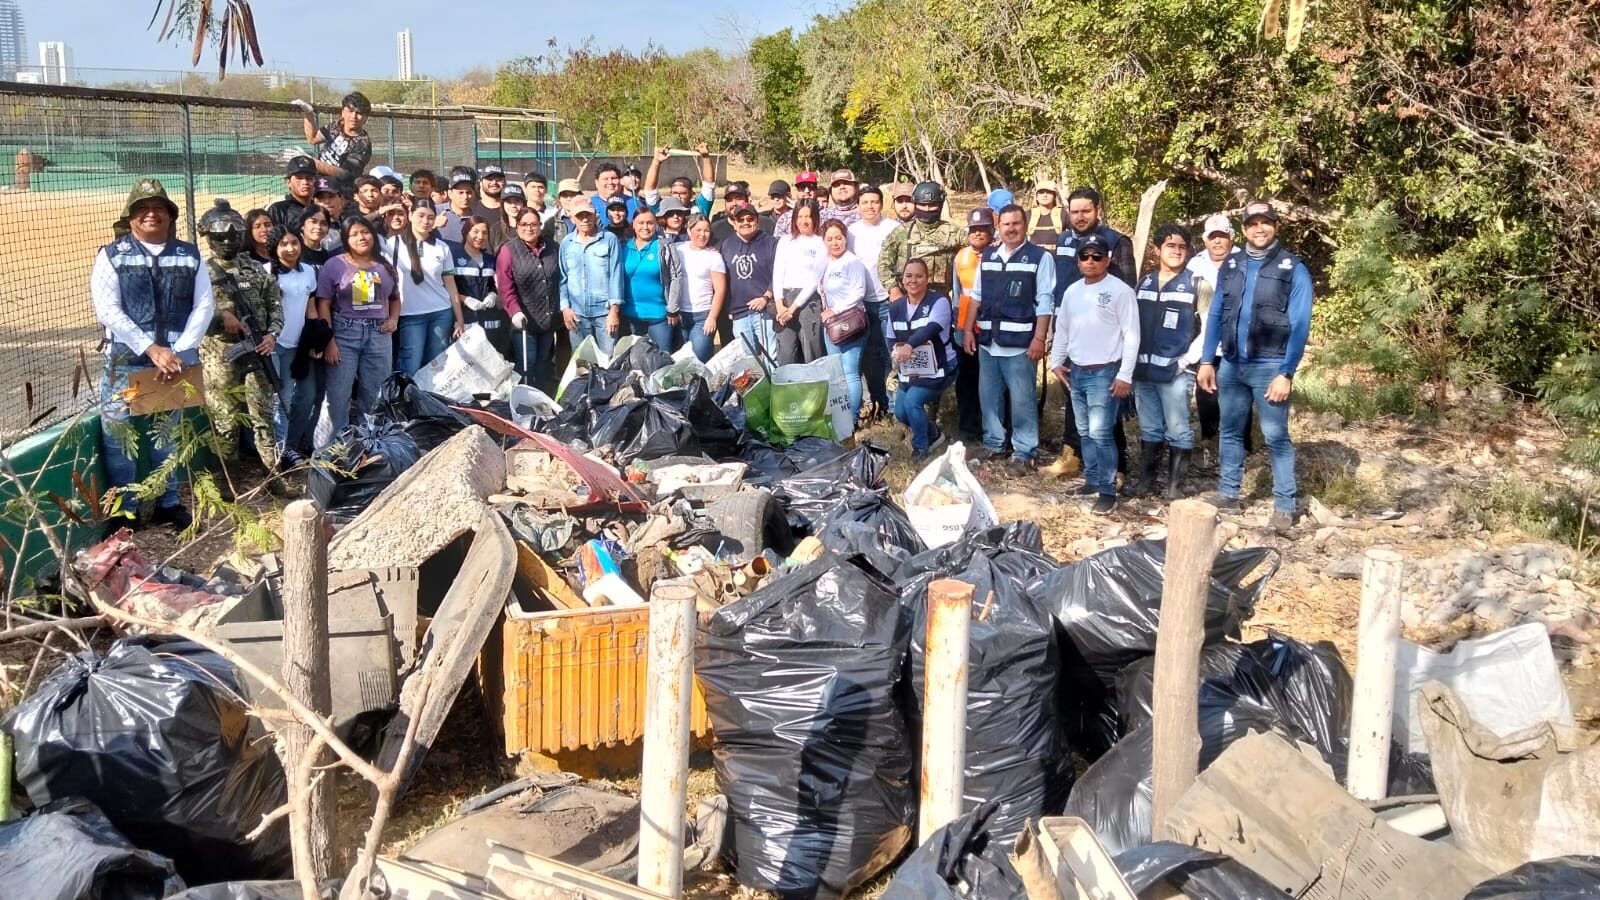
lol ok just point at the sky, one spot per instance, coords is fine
(318, 37)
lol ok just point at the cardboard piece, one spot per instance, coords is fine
(147, 393)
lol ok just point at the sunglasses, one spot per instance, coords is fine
(1091, 257)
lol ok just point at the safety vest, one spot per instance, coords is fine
(1168, 322)
(966, 277)
(906, 320)
(473, 279)
(1269, 303)
(1007, 312)
(1045, 225)
(1067, 270)
(157, 292)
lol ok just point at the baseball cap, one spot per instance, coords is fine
(513, 191)
(325, 186)
(584, 209)
(901, 189)
(999, 198)
(743, 212)
(301, 165)
(1259, 209)
(779, 188)
(872, 189)
(568, 186)
(672, 205)
(982, 217)
(842, 175)
(737, 189)
(617, 202)
(1094, 242)
(806, 177)
(1047, 186)
(460, 178)
(633, 170)
(1217, 222)
(492, 172)
(382, 172)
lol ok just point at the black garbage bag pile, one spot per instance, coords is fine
(68, 850)
(641, 356)
(348, 474)
(872, 524)
(802, 681)
(1107, 608)
(961, 861)
(684, 421)
(1560, 878)
(1017, 755)
(769, 465)
(426, 416)
(157, 734)
(1195, 873)
(810, 495)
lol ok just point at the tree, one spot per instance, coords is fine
(232, 25)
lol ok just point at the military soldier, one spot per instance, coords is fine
(154, 298)
(926, 237)
(248, 306)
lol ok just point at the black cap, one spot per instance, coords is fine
(633, 170)
(1094, 242)
(513, 191)
(617, 203)
(737, 189)
(492, 171)
(1260, 209)
(743, 212)
(325, 186)
(459, 178)
(301, 165)
(779, 188)
(982, 217)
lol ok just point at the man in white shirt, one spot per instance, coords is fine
(1096, 348)
(153, 296)
(867, 235)
(1015, 295)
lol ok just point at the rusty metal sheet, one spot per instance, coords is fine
(605, 485)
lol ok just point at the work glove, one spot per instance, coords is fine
(519, 321)
(303, 106)
(490, 300)
(472, 303)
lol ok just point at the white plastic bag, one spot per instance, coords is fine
(944, 500)
(529, 403)
(730, 362)
(1507, 681)
(467, 367)
(828, 369)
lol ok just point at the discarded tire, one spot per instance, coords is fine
(751, 522)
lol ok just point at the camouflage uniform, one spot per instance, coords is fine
(937, 244)
(241, 286)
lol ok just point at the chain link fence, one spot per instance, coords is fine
(73, 155)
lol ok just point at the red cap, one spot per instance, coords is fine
(806, 177)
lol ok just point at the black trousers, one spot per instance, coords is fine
(969, 415)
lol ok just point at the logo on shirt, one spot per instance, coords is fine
(1103, 298)
(744, 265)
(1285, 263)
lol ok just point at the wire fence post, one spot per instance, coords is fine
(188, 171)
(438, 129)
(474, 145)
(391, 142)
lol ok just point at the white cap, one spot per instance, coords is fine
(383, 172)
(1215, 223)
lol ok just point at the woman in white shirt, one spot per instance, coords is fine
(845, 285)
(430, 307)
(298, 398)
(796, 275)
(705, 277)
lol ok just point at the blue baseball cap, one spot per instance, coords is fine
(1000, 198)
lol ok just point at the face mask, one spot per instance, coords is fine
(227, 244)
(926, 216)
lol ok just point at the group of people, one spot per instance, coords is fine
(355, 274)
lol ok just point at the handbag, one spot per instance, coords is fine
(846, 326)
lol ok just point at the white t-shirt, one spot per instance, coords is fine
(1098, 324)
(799, 264)
(296, 286)
(866, 242)
(437, 261)
(697, 268)
(845, 283)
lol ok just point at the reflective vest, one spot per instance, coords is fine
(1067, 257)
(1045, 226)
(906, 320)
(1008, 310)
(473, 279)
(1269, 303)
(966, 276)
(1168, 324)
(157, 292)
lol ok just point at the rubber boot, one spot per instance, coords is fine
(1177, 471)
(1149, 469)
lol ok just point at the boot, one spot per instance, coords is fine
(1177, 471)
(1149, 469)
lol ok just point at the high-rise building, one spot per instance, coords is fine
(13, 40)
(402, 48)
(55, 62)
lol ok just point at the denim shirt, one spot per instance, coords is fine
(591, 274)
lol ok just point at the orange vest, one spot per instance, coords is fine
(966, 276)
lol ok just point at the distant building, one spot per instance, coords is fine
(13, 40)
(55, 62)
(402, 48)
(31, 77)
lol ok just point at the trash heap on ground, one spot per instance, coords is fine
(487, 527)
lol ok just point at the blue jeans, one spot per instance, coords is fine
(534, 353)
(1239, 385)
(116, 425)
(365, 361)
(298, 400)
(911, 404)
(595, 327)
(875, 355)
(691, 329)
(1096, 412)
(663, 335)
(1164, 411)
(761, 331)
(850, 357)
(420, 338)
(999, 376)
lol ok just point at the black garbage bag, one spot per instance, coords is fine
(1017, 754)
(570, 426)
(642, 357)
(719, 438)
(1107, 608)
(596, 386)
(731, 402)
(810, 494)
(348, 474)
(427, 417)
(69, 850)
(248, 890)
(1561, 878)
(642, 429)
(802, 681)
(769, 465)
(871, 523)
(1199, 875)
(157, 734)
(961, 861)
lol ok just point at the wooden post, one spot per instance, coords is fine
(944, 705)
(1372, 712)
(664, 788)
(305, 675)
(1175, 759)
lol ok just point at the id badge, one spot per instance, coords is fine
(1014, 290)
(1170, 320)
